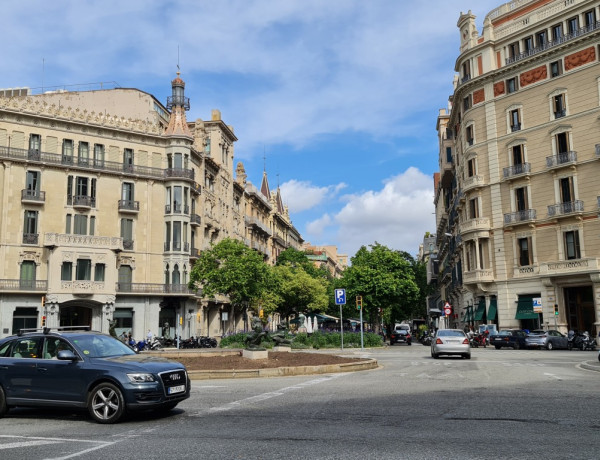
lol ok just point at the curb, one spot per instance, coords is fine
(367, 364)
(590, 365)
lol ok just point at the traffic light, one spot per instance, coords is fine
(43, 301)
(261, 313)
(43, 321)
(555, 310)
(359, 302)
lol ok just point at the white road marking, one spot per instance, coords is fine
(15, 445)
(552, 375)
(265, 396)
(29, 441)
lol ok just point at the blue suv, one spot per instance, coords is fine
(75, 368)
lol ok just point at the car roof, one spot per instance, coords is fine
(65, 331)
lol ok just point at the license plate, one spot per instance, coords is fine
(177, 389)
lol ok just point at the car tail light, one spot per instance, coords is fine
(438, 341)
(466, 342)
(506, 339)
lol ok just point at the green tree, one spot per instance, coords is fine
(233, 269)
(386, 281)
(298, 291)
(295, 258)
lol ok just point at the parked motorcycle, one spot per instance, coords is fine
(425, 339)
(584, 341)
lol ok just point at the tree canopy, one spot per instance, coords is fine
(298, 291)
(233, 269)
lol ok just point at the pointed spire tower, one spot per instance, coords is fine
(264, 186)
(177, 103)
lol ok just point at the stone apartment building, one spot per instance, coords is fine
(107, 198)
(517, 196)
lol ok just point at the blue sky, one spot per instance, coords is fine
(338, 98)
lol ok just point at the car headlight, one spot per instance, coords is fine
(141, 378)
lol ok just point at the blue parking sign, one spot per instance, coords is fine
(340, 297)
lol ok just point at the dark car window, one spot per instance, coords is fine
(52, 345)
(101, 346)
(5, 348)
(25, 347)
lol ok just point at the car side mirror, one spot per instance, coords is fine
(66, 355)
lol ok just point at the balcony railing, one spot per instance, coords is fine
(67, 240)
(253, 221)
(179, 173)
(195, 220)
(81, 201)
(154, 288)
(515, 127)
(194, 253)
(520, 216)
(474, 181)
(568, 207)
(478, 276)
(561, 159)
(30, 238)
(32, 196)
(517, 170)
(480, 223)
(76, 162)
(24, 285)
(129, 206)
(570, 267)
(558, 41)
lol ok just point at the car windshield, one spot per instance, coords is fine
(505, 333)
(101, 346)
(450, 333)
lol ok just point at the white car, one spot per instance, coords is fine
(450, 342)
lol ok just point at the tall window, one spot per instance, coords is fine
(559, 106)
(525, 251)
(562, 145)
(517, 155)
(512, 85)
(81, 188)
(541, 38)
(80, 224)
(99, 270)
(567, 190)
(176, 277)
(589, 18)
(471, 167)
(515, 120)
(35, 144)
(528, 43)
(448, 154)
(555, 69)
(83, 154)
(557, 32)
(30, 224)
(128, 159)
(474, 208)
(66, 271)
(521, 198)
(27, 275)
(572, 25)
(68, 224)
(467, 102)
(176, 236)
(83, 270)
(177, 199)
(125, 277)
(67, 151)
(32, 183)
(167, 237)
(99, 155)
(470, 135)
(127, 233)
(127, 192)
(513, 49)
(572, 249)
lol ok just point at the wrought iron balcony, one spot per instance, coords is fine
(129, 206)
(520, 216)
(30, 238)
(179, 173)
(561, 159)
(515, 127)
(33, 196)
(475, 181)
(81, 201)
(517, 170)
(154, 288)
(195, 220)
(566, 208)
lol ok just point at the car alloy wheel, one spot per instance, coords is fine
(549, 346)
(105, 403)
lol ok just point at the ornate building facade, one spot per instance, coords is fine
(516, 198)
(107, 198)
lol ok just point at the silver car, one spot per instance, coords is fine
(550, 339)
(450, 342)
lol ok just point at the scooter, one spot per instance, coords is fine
(583, 341)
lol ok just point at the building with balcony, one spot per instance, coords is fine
(516, 196)
(107, 198)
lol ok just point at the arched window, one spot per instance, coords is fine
(176, 276)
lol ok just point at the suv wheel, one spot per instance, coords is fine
(105, 403)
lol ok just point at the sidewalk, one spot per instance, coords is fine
(591, 365)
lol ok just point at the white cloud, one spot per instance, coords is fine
(302, 195)
(397, 216)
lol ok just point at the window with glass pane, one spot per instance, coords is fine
(127, 191)
(30, 224)
(572, 250)
(92, 225)
(562, 143)
(32, 183)
(471, 167)
(98, 155)
(511, 85)
(572, 25)
(525, 253)
(80, 224)
(517, 151)
(557, 32)
(176, 275)
(555, 69)
(83, 270)
(473, 208)
(515, 120)
(68, 224)
(83, 153)
(127, 233)
(128, 157)
(521, 198)
(35, 143)
(559, 106)
(541, 38)
(125, 277)
(27, 279)
(177, 161)
(167, 236)
(67, 150)
(567, 192)
(176, 236)
(590, 18)
(528, 43)
(177, 199)
(81, 188)
(99, 272)
(66, 271)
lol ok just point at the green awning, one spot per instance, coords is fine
(478, 316)
(491, 316)
(525, 308)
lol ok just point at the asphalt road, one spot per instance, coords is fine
(500, 404)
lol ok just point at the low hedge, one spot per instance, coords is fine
(315, 340)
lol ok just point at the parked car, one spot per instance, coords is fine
(83, 369)
(450, 342)
(513, 338)
(401, 334)
(550, 340)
